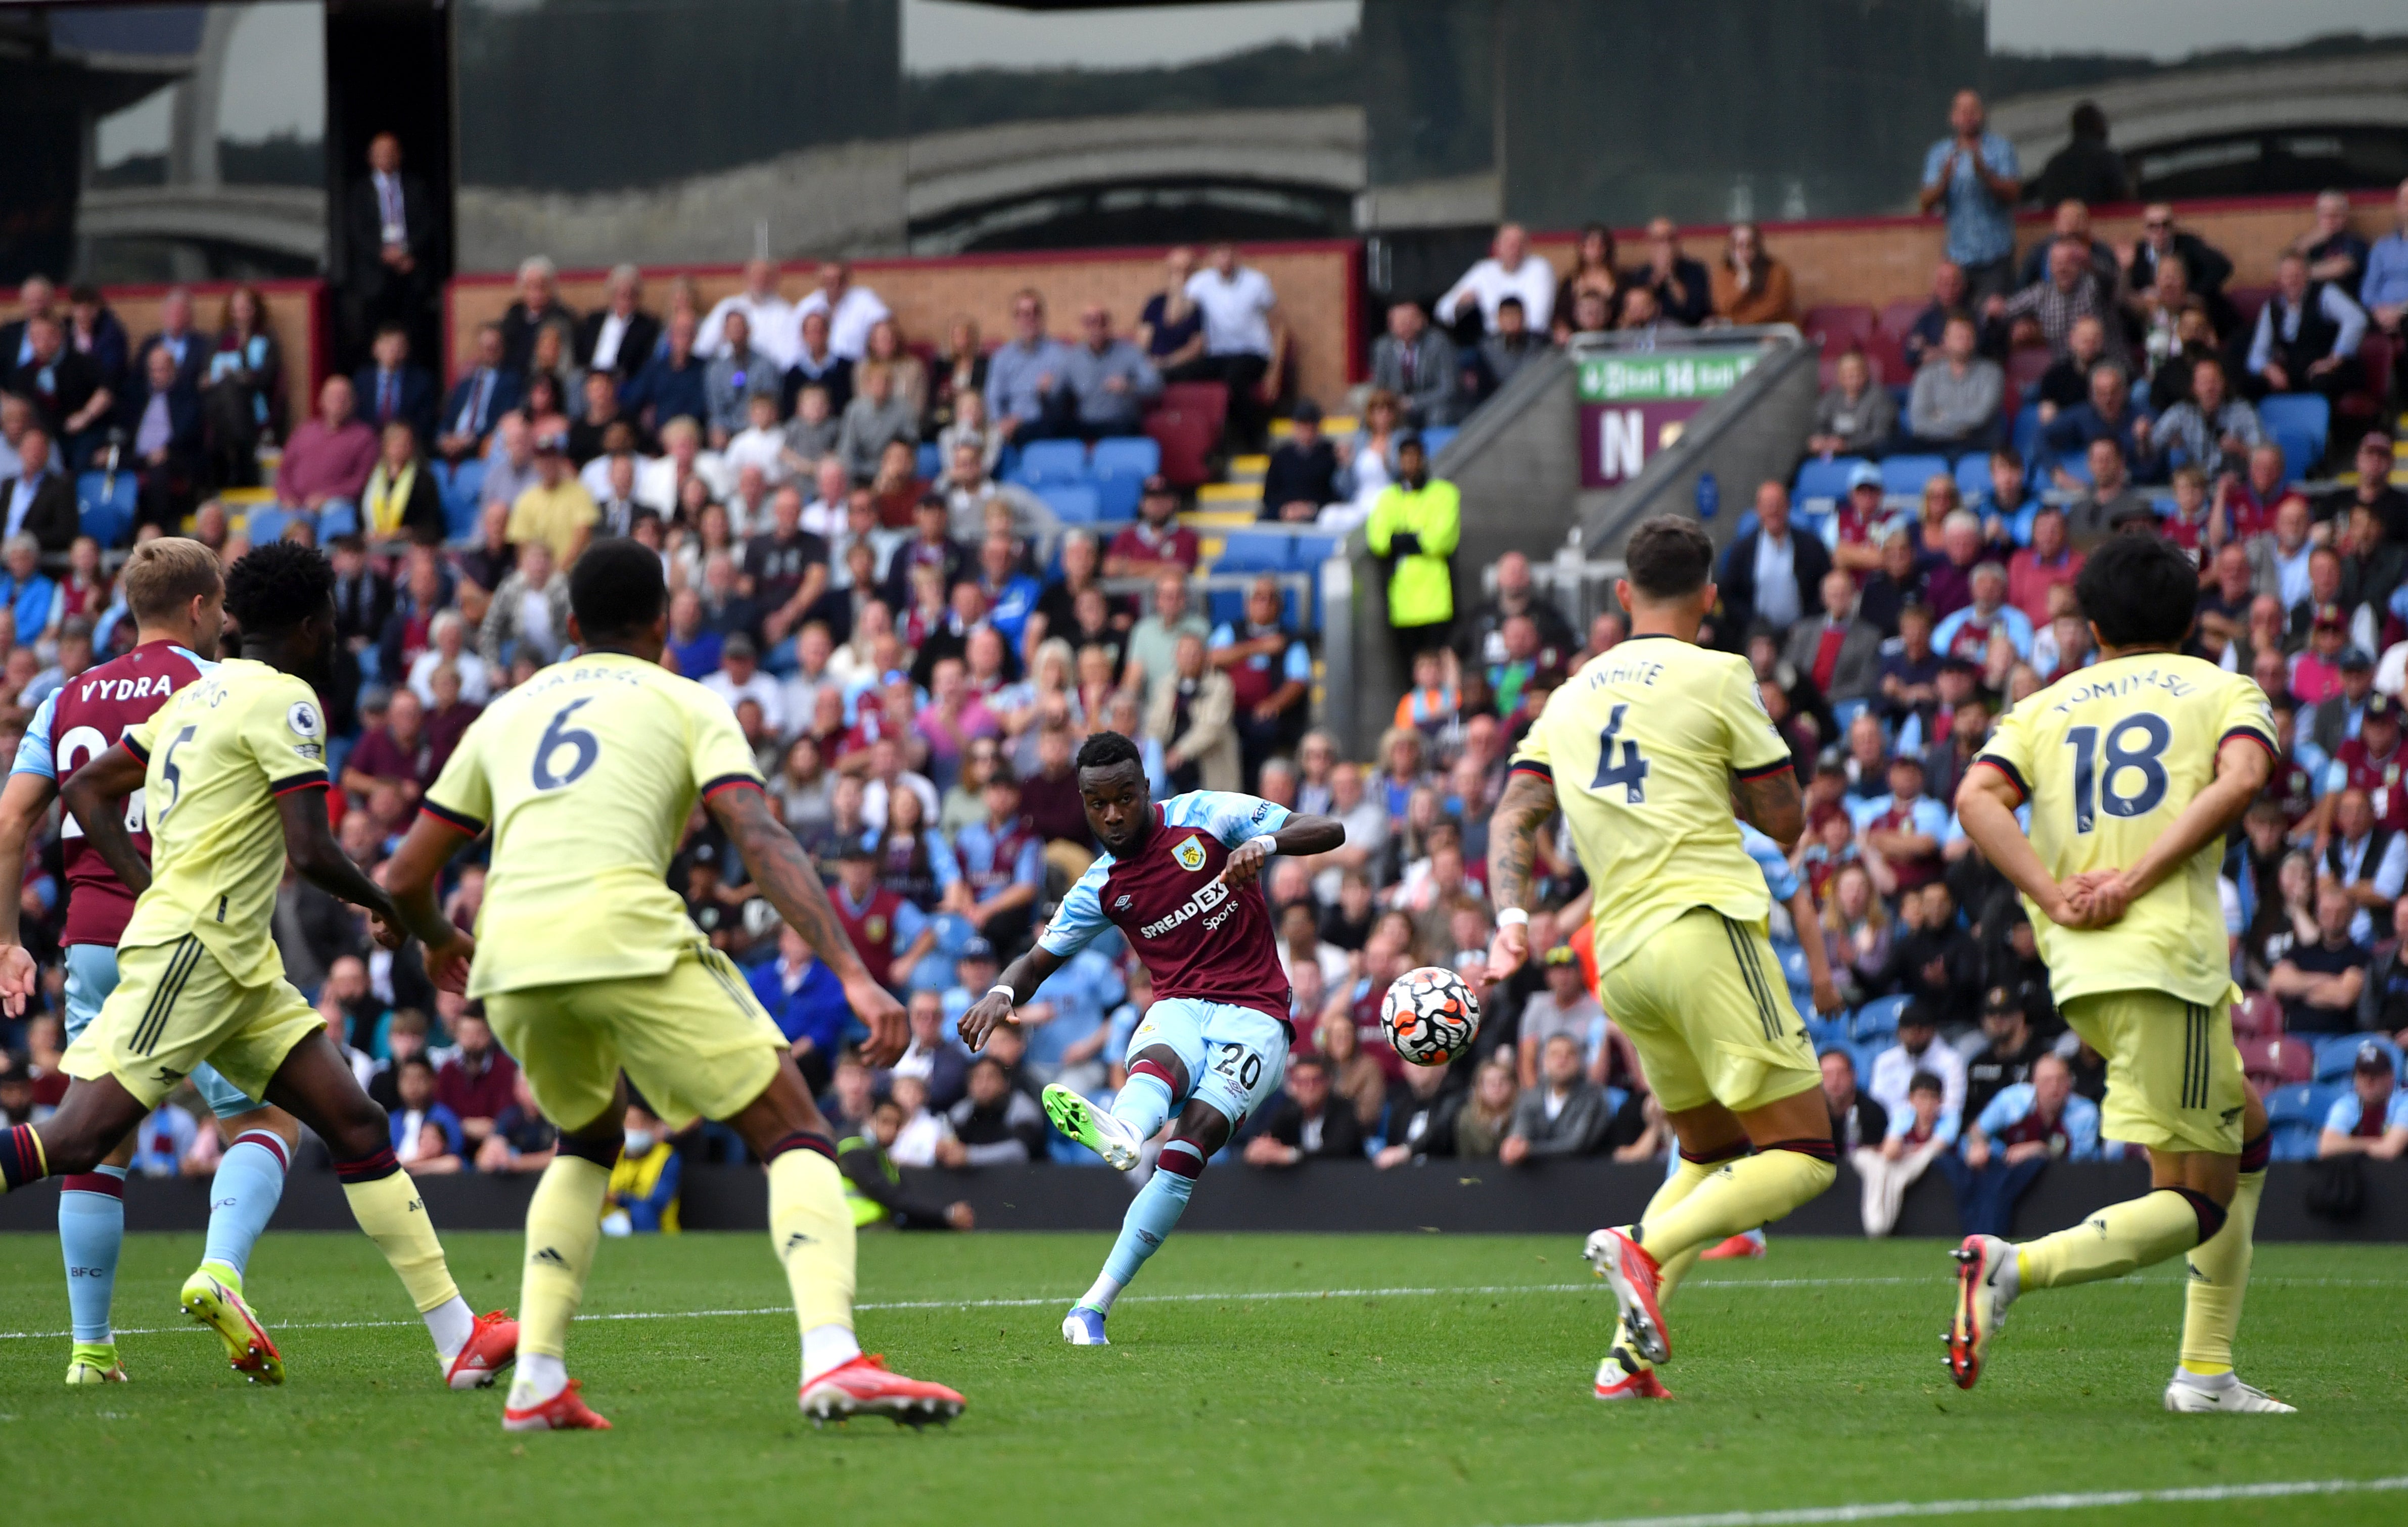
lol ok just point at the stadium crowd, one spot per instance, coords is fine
(917, 654)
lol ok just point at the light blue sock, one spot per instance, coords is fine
(1144, 1104)
(92, 1229)
(1149, 1222)
(249, 1182)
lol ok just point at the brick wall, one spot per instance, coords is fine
(1319, 286)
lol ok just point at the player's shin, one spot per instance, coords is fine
(387, 1206)
(1741, 1195)
(2120, 1238)
(91, 1231)
(1145, 1099)
(2219, 1273)
(1148, 1221)
(564, 1225)
(243, 1196)
(811, 1230)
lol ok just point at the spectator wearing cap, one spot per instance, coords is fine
(2306, 335)
(327, 461)
(2373, 1121)
(1838, 649)
(1565, 1006)
(1417, 362)
(1003, 863)
(1973, 179)
(1109, 379)
(2026, 1126)
(1906, 827)
(1415, 525)
(1955, 403)
(1303, 472)
(1509, 272)
(738, 677)
(2339, 716)
(1966, 634)
(555, 508)
(1918, 1049)
(1271, 673)
(2009, 1046)
(1862, 521)
(1157, 543)
(1772, 575)
(2370, 761)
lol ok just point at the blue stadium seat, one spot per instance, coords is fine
(928, 460)
(1137, 456)
(1820, 479)
(1878, 1018)
(1072, 503)
(265, 524)
(1908, 474)
(1052, 460)
(2026, 433)
(1252, 551)
(2295, 1116)
(1225, 606)
(2307, 414)
(1829, 1033)
(1307, 553)
(1118, 494)
(462, 490)
(2301, 449)
(1437, 438)
(2337, 1054)
(1973, 475)
(106, 505)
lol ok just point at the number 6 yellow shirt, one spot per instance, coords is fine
(2108, 757)
(586, 774)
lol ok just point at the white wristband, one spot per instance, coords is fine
(1271, 844)
(1009, 994)
(1512, 917)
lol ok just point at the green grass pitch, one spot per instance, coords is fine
(1813, 1378)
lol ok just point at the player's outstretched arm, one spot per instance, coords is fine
(310, 843)
(96, 794)
(1985, 805)
(1016, 985)
(22, 801)
(1528, 801)
(2241, 769)
(412, 878)
(784, 875)
(1300, 835)
(1772, 806)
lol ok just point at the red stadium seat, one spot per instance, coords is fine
(1835, 326)
(1186, 424)
(2277, 1062)
(2247, 300)
(2026, 366)
(1888, 360)
(2258, 1016)
(1897, 317)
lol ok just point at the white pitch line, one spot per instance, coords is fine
(1229, 1297)
(1888, 1510)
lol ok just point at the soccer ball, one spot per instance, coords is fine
(1429, 1015)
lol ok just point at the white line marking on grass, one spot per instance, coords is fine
(2068, 1502)
(1229, 1297)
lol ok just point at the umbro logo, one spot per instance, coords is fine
(550, 1257)
(1122, 905)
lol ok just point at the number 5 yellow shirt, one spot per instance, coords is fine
(586, 774)
(2108, 757)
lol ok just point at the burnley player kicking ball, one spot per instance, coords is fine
(1177, 878)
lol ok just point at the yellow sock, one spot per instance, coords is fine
(1682, 1182)
(810, 1228)
(1735, 1196)
(389, 1209)
(2219, 1277)
(2111, 1241)
(564, 1226)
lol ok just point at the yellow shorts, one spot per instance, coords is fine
(692, 1039)
(174, 1007)
(2173, 1075)
(1705, 1005)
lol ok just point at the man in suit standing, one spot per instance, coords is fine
(619, 336)
(1417, 362)
(1772, 575)
(38, 500)
(189, 346)
(1841, 651)
(478, 400)
(392, 388)
(393, 247)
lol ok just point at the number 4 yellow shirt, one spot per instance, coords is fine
(1643, 745)
(587, 774)
(2108, 757)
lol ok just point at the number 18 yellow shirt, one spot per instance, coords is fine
(2108, 758)
(587, 774)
